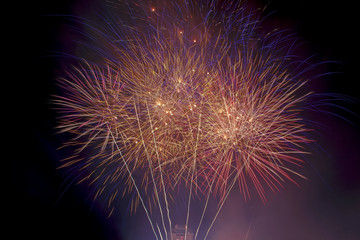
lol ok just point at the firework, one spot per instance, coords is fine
(185, 94)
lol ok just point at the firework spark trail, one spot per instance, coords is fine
(152, 176)
(192, 176)
(135, 185)
(161, 177)
(186, 93)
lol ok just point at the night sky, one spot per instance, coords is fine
(326, 206)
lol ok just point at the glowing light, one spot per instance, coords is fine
(236, 116)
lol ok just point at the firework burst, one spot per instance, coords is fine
(186, 94)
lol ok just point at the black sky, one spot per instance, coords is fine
(325, 207)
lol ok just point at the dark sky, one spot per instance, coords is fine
(327, 206)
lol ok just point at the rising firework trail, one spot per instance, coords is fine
(183, 94)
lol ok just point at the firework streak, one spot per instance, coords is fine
(186, 93)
